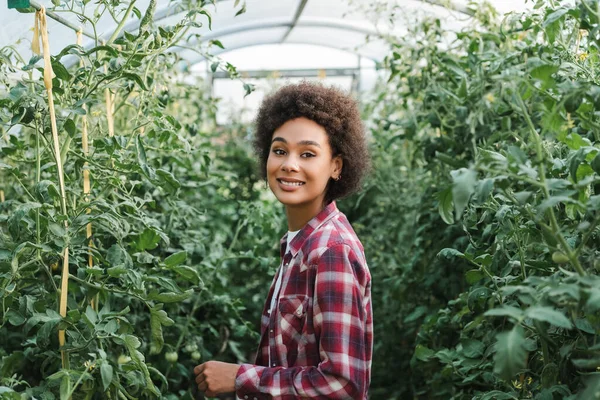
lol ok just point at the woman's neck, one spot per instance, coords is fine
(298, 216)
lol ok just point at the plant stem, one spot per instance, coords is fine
(119, 28)
(542, 172)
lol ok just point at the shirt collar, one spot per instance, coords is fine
(296, 244)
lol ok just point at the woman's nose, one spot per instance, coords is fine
(289, 164)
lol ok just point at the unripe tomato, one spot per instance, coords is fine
(196, 355)
(123, 359)
(559, 257)
(171, 356)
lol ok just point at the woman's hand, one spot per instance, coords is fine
(216, 377)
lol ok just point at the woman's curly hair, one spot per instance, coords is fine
(329, 107)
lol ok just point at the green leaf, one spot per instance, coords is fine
(241, 10)
(450, 253)
(176, 259)
(158, 318)
(472, 348)
(170, 297)
(593, 303)
(555, 16)
(592, 388)
(464, 181)
(188, 273)
(168, 179)
(138, 79)
(505, 311)
(544, 74)
(208, 17)
(217, 43)
(106, 374)
(248, 88)
(483, 191)
(117, 256)
(132, 343)
(473, 276)
(550, 315)
(511, 355)
(423, 353)
(445, 206)
(60, 71)
(147, 240)
(498, 395)
(65, 387)
(142, 159)
(595, 164)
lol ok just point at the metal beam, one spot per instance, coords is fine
(294, 73)
(297, 16)
(281, 23)
(61, 20)
(452, 5)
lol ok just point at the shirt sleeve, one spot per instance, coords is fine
(340, 307)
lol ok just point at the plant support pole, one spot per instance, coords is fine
(86, 180)
(41, 15)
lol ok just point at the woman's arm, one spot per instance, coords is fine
(342, 322)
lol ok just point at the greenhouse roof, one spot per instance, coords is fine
(338, 24)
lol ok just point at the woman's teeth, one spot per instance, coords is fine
(292, 183)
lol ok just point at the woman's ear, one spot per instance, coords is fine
(338, 163)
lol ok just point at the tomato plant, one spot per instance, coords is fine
(149, 241)
(487, 156)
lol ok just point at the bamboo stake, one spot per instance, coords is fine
(41, 15)
(1, 196)
(109, 108)
(86, 178)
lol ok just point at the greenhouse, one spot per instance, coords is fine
(294, 199)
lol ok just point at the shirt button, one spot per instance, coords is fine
(286, 264)
(274, 364)
(255, 398)
(246, 396)
(271, 331)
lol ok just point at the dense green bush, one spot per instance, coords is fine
(176, 216)
(498, 131)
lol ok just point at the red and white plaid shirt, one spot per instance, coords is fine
(320, 336)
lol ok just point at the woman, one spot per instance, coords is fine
(316, 337)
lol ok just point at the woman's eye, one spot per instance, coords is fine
(306, 155)
(279, 152)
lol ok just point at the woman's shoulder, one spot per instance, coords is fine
(334, 235)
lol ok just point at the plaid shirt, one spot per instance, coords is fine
(321, 335)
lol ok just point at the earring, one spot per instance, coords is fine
(338, 178)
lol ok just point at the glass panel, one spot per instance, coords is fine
(287, 57)
(234, 106)
(240, 40)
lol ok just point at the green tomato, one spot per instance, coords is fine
(196, 355)
(559, 257)
(123, 359)
(171, 356)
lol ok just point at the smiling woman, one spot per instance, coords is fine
(316, 334)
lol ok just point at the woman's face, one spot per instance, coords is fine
(300, 164)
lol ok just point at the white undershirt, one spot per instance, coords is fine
(275, 298)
